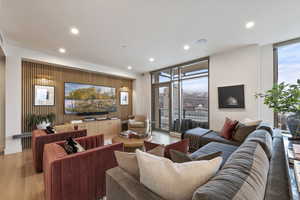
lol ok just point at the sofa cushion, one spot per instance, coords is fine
(215, 137)
(244, 176)
(264, 139)
(163, 177)
(213, 147)
(228, 128)
(180, 157)
(242, 131)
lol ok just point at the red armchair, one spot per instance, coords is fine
(40, 138)
(79, 176)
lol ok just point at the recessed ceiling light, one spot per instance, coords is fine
(74, 31)
(151, 59)
(250, 25)
(62, 50)
(129, 67)
(186, 47)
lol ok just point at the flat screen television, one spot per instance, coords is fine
(85, 99)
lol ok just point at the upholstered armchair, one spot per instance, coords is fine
(78, 176)
(140, 124)
(40, 138)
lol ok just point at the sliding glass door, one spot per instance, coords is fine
(161, 106)
(180, 97)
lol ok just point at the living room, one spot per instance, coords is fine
(191, 87)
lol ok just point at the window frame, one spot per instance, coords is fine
(179, 79)
(275, 67)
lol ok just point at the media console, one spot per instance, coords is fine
(107, 127)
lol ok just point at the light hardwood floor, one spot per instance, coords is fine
(19, 181)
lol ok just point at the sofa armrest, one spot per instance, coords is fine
(120, 185)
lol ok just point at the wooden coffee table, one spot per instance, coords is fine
(131, 144)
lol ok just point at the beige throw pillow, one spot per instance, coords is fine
(128, 161)
(174, 181)
(251, 122)
(242, 131)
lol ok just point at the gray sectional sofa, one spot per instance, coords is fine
(254, 169)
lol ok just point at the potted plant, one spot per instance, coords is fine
(40, 121)
(285, 99)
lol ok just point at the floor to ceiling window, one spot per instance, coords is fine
(180, 97)
(287, 70)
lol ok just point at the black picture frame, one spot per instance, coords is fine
(231, 96)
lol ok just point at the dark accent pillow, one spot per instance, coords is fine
(181, 146)
(242, 131)
(228, 128)
(50, 130)
(71, 146)
(180, 157)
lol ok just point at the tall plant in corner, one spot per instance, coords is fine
(284, 99)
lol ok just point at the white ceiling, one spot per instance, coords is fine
(150, 28)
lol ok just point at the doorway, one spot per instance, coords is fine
(161, 106)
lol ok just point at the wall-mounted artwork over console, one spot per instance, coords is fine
(43, 95)
(124, 98)
(231, 96)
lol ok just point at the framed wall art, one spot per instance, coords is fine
(231, 96)
(124, 98)
(44, 95)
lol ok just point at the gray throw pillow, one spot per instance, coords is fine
(242, 131)
(180, 157)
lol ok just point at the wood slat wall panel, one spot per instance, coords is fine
(52, 75)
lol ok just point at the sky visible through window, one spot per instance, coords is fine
(195, 85)
(289, 63)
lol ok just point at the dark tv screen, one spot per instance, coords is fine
(87, 99)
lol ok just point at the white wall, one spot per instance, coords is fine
(142, 95)
(251, 66)
(266, 81)
(13, 106)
